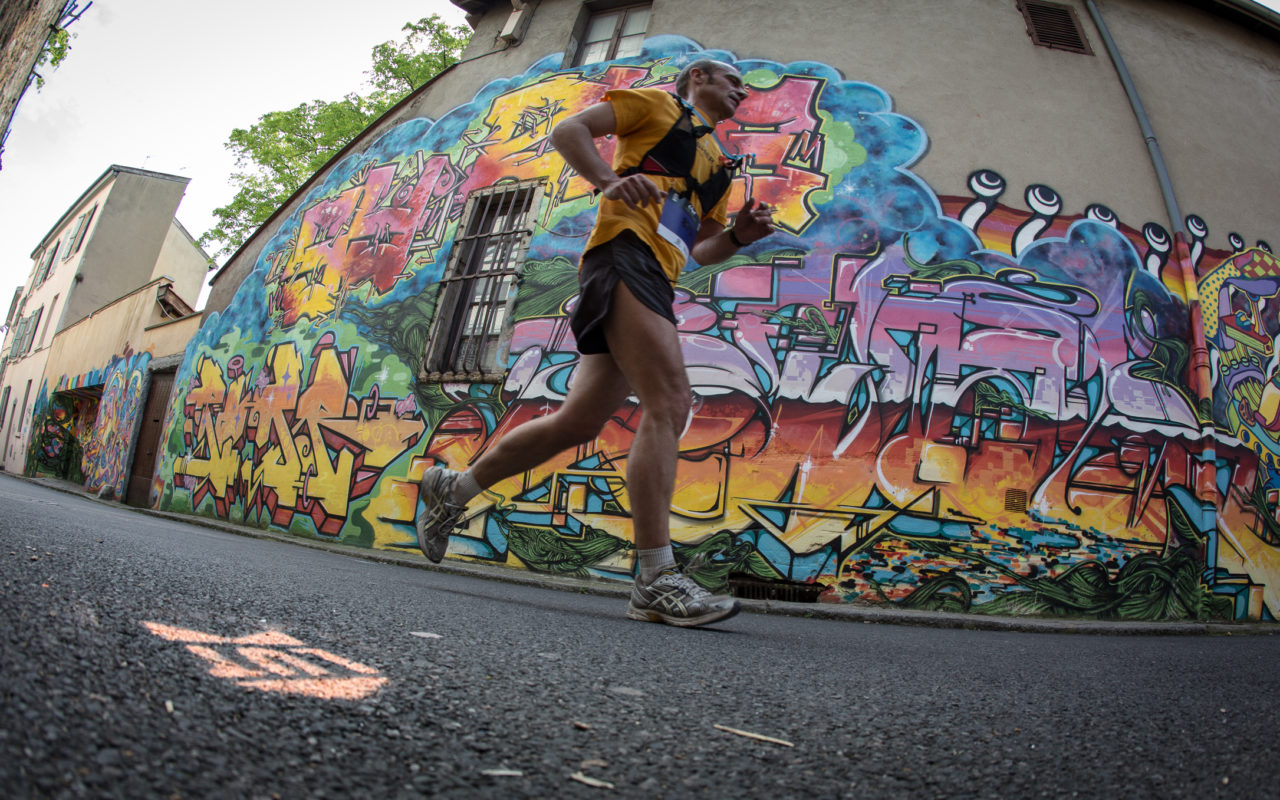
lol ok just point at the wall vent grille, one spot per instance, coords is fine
(1015, 500)
(1054, 25)
(756, 589)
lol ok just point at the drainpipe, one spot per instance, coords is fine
(1201, 375)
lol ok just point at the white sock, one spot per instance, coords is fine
(653, 561)
(465, 488)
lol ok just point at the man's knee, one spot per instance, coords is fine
(670, 404)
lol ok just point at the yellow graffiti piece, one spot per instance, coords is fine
(520, 121)
(1242, 552)
(296, 463)
(288, 436)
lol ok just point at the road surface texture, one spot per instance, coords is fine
(144, 656)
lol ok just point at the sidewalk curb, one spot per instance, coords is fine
(603, 588)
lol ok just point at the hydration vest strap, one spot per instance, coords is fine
(674, 155)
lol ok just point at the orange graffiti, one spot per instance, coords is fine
(276, 662)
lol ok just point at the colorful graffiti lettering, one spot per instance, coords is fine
(288, 438)
(105, 460)
(85, 423)
(1239, 302)
(58, 451)
(942, 402)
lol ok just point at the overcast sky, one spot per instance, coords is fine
(160, 84)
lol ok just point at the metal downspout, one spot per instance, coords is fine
(1157, 160)
(1201, 376)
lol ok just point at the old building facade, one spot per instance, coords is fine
(1011, 351)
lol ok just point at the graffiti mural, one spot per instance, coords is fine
(87, 422)
(1239, 303)
(56, 446)
(901, 397)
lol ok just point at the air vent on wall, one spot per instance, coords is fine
(1054, 25)
(1015, 500)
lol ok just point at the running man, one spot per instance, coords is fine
(664, 200)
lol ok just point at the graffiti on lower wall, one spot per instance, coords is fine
(56, 448)
(86, 423)
(939, 402)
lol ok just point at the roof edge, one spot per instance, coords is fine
(108, 173)
(1246, 13)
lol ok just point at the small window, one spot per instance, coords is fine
(70, 249)
(15, 338)
(46, 263)
(21, 417)
(615, 33)
(82, 229)
(4, 406)
(19, 334)
(29, 331)
(1054, 25)
(475, 296)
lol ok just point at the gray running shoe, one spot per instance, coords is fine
(441, 515)
(675, 599)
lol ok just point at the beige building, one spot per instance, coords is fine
(110, 289)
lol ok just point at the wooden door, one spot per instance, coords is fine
(144, 455)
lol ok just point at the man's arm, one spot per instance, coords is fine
(574, 139)
(716, 243)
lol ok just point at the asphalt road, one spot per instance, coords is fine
(147, 657)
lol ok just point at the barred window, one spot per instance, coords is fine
(476, 293)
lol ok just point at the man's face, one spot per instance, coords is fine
(718, 91)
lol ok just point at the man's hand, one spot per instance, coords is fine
(635, 190)
(717, 243)
(753, 223)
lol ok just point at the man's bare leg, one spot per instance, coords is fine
(646, 349)
(644, 359)
(598, 390)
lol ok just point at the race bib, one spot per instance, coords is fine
(678, 223)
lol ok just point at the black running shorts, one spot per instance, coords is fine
(624, 258)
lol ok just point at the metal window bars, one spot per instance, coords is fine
(473, 304)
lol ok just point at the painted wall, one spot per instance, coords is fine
(95, 430)
(933, 401)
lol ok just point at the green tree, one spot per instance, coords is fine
(283, 149)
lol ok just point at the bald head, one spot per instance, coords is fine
(707, 65)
